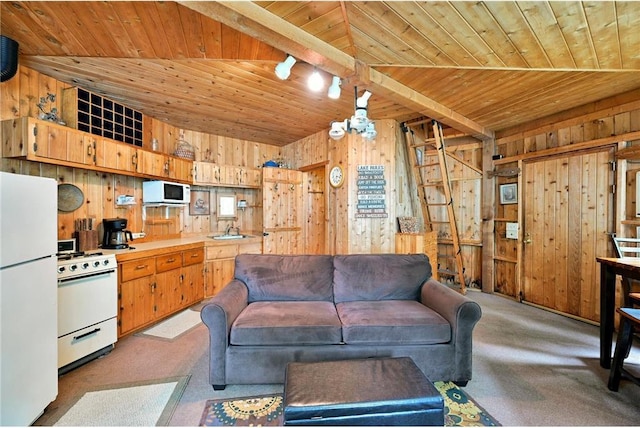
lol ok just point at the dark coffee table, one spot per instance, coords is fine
(372, 391)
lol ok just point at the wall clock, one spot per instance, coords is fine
(336, 176)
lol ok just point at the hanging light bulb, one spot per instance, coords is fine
(315, 82)
(334, 89)
(283, 69)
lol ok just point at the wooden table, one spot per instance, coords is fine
(610, 267)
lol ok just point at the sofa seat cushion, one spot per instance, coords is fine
(287, 323)
(391, 322)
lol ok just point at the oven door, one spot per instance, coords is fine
(87, 300)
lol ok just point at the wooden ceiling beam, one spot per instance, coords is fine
(259, 23)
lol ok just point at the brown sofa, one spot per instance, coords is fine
(280, 309)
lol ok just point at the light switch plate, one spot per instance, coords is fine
(512, 230)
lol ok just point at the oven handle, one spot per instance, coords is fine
(75, 278)
(89, 333)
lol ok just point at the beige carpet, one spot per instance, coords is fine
(174, 326)
(150, 404)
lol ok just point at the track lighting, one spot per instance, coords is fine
(283, 69)
(334, 89)
(315, 82)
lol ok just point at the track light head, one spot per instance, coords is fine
(283, 69)
(363, 100)
(338, 129)
(315, 82)
(334, 89)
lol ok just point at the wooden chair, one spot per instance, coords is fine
(628, 247)
(629, 322)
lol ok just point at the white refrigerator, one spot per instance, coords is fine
(28, 297)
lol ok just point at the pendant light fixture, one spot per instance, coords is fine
(359, 122)
(283, 69)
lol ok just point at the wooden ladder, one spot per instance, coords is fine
(445, 185)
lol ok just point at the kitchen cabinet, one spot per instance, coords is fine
(48, 142)
(210, 174)
(116, 157)
(220, 264)
(152, 288)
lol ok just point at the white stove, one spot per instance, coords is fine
(87, 307)
(74, 265)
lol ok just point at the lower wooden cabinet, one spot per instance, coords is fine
(152, 288)
(220, 264)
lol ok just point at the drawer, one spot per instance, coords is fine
(222, 252)
(137, 269)
(85, 341)
(192, 257)
(255, 248)
(168, 262)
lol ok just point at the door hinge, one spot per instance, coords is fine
(613, 165)
(613, 188)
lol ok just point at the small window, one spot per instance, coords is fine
(226, 205)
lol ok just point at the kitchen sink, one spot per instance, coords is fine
(224, 237)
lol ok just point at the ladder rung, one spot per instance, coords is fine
(446, 272)
(440, 204)
(432, 184)
(436, 222)
(426, 165)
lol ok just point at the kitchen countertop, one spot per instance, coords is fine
(156, 248)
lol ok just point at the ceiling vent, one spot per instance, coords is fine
(8, 58)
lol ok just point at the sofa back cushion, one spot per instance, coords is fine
(379, 276)
(279, 277)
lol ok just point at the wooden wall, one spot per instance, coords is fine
(19, 98)
(596, 124)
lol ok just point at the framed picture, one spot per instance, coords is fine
(509, 193)
(408, 225)
(200, 203)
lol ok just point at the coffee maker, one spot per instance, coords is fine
(115, 233)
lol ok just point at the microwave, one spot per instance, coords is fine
(165, 192)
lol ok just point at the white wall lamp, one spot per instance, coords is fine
(283, 69)
(359, 122)
(334, 89)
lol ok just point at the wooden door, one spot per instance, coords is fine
(315, 213)
(282, 210)
(567, 214)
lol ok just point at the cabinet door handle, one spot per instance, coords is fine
(194, 255)
(89, 147)
(171, 260)
(139, 267)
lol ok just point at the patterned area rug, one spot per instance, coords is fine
(460, 410)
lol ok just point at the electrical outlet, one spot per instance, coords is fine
(138, 235)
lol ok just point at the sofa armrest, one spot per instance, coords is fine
(462, 314)
(218, 315)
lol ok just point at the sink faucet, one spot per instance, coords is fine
(230, 228)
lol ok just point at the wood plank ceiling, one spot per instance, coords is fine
(480, 67)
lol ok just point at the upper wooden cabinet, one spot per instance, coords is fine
(207, 173)
(49, 142)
